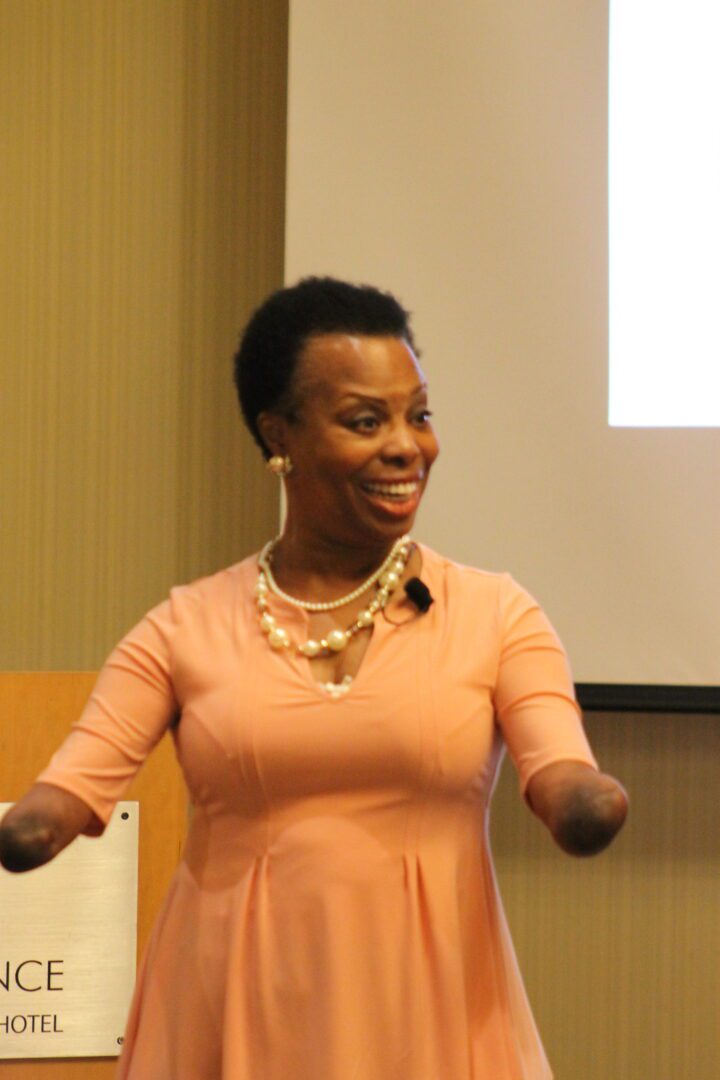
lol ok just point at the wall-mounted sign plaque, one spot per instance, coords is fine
(67, 946)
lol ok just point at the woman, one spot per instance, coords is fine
(334, 916)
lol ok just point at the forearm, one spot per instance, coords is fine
(39, 826)
(583, 809)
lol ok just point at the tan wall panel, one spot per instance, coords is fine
(141, 210)
(36, 710)
(621, 953)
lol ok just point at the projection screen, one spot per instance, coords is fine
(457, 154)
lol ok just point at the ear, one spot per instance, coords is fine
(273, 428)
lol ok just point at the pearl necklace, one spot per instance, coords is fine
(386, 579)
(265, 560)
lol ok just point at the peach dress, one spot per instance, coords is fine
(335, 915)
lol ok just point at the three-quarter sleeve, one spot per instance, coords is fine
(129, 709)
(534, 699)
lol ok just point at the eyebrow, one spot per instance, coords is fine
(360, 395)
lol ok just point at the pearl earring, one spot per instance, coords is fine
(280, 465)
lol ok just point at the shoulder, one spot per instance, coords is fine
(205, 597)
(472, 590)
(216, 586)
(454, 576)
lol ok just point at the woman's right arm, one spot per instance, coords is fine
(40, 825)
(127, 713)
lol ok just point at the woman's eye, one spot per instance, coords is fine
(364, 423)
(423, 416)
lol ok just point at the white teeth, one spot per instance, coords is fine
(392, 489)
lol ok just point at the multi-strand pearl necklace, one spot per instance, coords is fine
(385, 579)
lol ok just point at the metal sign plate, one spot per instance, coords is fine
(68, 935)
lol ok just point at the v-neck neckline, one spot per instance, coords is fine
(288, 614)
(303, 665)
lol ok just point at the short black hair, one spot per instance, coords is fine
(276, 334)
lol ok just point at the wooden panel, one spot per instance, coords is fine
(36, 710)
(141, 211)
(621, 954)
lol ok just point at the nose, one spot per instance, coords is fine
(401, 446)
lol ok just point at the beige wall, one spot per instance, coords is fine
(141, 215)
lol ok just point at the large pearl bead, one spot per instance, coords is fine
(311, 648)
(267, 622)
(364, 618)
(390, 580)
(278, 638)
(337, 640)
(398, 567)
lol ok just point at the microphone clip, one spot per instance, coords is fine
(418, 592)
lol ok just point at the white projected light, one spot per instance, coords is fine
(664, 213)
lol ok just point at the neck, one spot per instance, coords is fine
(303, 558)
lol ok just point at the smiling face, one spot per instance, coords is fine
(361, 441)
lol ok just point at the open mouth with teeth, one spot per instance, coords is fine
(398, 499)
(394, 491)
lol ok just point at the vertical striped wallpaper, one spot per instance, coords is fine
(141, 210)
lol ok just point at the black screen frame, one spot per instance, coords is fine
(638, 698)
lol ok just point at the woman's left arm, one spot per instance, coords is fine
(582, 808)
